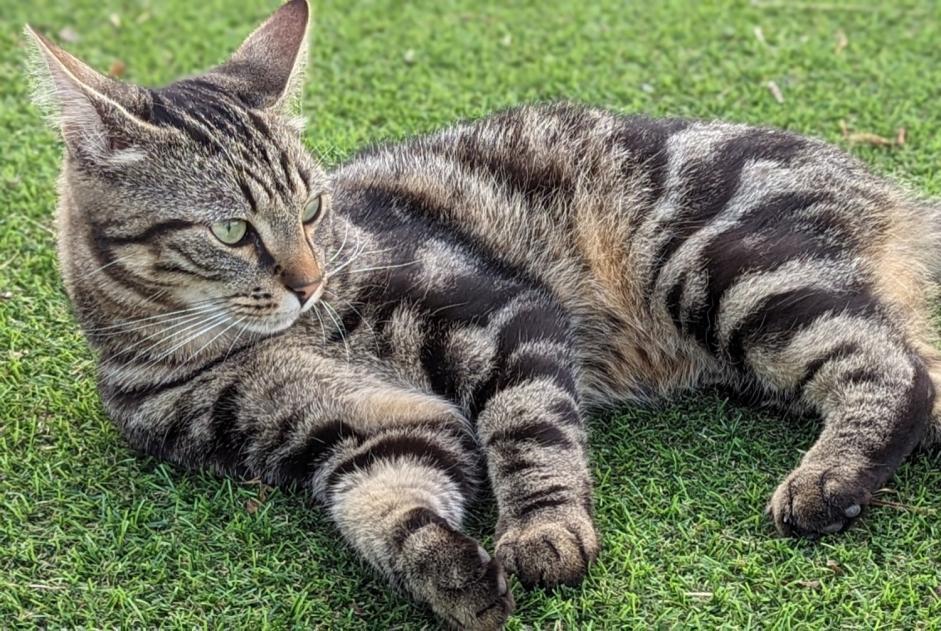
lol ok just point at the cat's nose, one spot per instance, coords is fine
(303, 276)
(303, 281)
(303, 288)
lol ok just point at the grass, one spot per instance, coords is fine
(92, 536)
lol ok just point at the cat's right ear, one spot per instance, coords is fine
(267, 70)
(94, 113)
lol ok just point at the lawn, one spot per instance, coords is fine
(92, 536)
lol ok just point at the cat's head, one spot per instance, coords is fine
(197, 196)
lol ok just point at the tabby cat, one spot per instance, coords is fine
(441, 314)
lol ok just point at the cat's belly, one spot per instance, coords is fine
(624, 359)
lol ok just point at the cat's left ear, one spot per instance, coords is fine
(99, 117)
(267, 70)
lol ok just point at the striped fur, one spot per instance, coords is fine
(485, 287)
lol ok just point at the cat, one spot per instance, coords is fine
(441, 314)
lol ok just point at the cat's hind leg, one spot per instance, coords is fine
(809, 320)
(837, 351)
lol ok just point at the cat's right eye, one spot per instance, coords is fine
(230, 231)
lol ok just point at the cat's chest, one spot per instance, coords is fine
(408, 338)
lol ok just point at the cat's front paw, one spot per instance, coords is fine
(821, 498)
(476, 594)
(463, 585)
(551, 549)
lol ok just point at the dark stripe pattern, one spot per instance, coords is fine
(712, 182)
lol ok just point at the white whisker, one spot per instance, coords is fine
(190, 321)
(337, 253)
(219, 317)
(323, 329)
(381, 267)
(356, 254)
(163, 321)
(355, 310)
(216, 337)
(359, 253)
(242, 330)
(196, 306)
(143, 369)
(105, 266)
(206, 328)
(339, 323)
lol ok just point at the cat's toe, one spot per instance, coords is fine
(461, 582)
(551, 550)
(483, 600)
(820, 498)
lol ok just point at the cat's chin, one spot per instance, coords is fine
(290, 312)
(272, 324)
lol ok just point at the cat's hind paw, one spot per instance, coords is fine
(820, 498)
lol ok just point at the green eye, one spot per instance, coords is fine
(313, 209)
(230, 231)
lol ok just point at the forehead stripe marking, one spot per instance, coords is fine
(246, 172)
(259, 124)
(247, 192)
(164, 114)
(208, 115)
(286, 167)
(305, 176)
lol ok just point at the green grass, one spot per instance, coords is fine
(92, 536)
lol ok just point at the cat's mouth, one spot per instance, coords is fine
(285, 313)
(314, 298)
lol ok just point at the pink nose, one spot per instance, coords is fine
(303, 289)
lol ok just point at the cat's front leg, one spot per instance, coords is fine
(534, 439)
(399, 499)
(394, 467)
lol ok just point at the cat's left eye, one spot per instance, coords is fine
(230, 231)
(313, 210)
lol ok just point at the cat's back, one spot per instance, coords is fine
(626, 217)
(560, 189)
(571, 178)
(542, 175)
